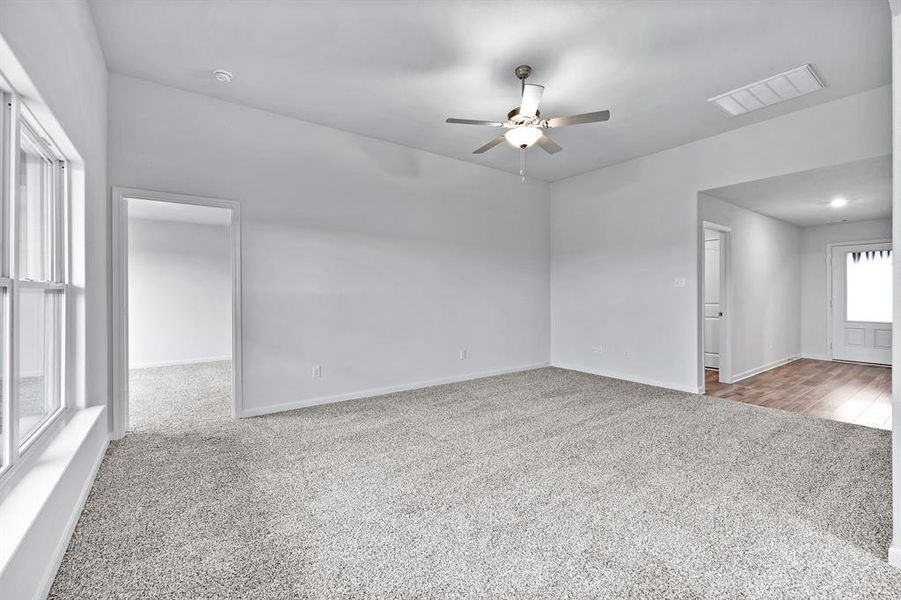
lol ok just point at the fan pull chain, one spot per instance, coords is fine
(522, 164)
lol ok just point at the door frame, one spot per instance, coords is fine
(725, 370)
(118, 419)
(829, 285)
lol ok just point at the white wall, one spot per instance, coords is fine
(814, 291)
(621, 235)
(377, 261)
(179, 292)
(57, 46)
(764, 262)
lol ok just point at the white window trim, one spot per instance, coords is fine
(9, 448)
(16, 115)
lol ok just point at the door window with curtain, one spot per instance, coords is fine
(869, 286)
(862, 302)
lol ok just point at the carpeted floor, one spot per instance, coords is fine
(547, 483)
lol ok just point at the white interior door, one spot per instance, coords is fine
(712, 308)
(862, 303)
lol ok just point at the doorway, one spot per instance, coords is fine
(861, 302)
(713, 310)
(811, 263)
(177, 317)
(714, 335)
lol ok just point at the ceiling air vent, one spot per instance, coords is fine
(767, 92)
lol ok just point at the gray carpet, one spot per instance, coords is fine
(548, 483)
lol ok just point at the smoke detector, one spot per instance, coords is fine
(223, 76)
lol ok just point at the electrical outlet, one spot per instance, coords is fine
(317, 371)
(627, 354)
(597, 349)
(463, 354)
(679, 282)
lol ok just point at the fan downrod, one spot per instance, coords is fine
(522, 72)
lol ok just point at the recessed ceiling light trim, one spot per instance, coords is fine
(767, 92)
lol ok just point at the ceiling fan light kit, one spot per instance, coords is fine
(524, 124)
(523, 136)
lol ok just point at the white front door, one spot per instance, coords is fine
(862, 303)
(712, 309)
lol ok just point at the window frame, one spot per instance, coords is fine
(16, 120)
(28, 441)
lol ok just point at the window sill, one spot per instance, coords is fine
(29, 489)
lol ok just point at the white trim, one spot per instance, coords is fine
(815, 357)
(118, 422)
(72, 521)
(829, 291)
(631, 378)
(372, 392)
(716, 226)
(766, 367)
(176, 363)
(119, 308)
(894, 555)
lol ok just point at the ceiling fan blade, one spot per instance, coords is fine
(592, 117)
(549, 145)
(489, 145)
(474, 122)
(531, 96)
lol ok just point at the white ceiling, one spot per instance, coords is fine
(181, 213)
(395, 70)
(803, 198)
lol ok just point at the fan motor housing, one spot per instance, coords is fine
(513, 117)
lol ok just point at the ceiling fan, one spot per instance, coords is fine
(524, 125)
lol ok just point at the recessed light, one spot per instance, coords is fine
(837, 202)
(223, 76)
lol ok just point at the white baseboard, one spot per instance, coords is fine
(369, 393)
(757, 370)
(894, 555)
(175, 363)
(72, 521)
(628, 377)
(815, 356)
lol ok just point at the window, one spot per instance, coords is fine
(36, 187)
(33, 280)
(5, 425)
(869, 286)
(39, 359)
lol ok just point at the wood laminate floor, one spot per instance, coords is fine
(848, 392)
